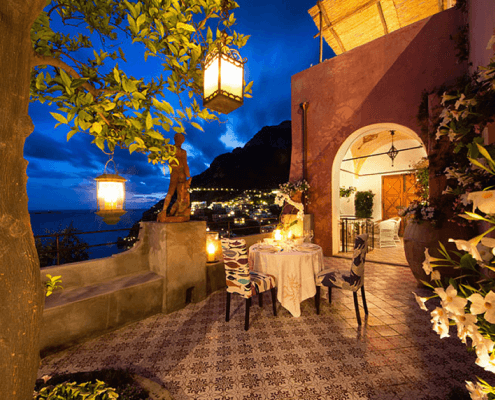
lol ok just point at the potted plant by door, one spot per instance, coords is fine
(363, 204)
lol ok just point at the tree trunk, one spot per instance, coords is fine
(21, 296)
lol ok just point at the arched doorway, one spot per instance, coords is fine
(359, 162)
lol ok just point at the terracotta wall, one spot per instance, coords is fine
(481, 19)
(380, 82)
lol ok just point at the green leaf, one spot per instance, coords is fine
(116, 74)
(149, 121)
(186, 27)
(140, 21)
(155, 135)
(154, 149)
(65, 78)
(70, 134)
(163, 106)
(248, 87)
(197, 126)
(133, 147)
(60, 118)
(96, 127)
(132, 24)
(109, 106)
(100, 142)
(40, 84)
(485, 153)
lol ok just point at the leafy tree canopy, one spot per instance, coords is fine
(81, 71)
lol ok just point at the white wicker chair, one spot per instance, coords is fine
(397, 226)
(385, 232)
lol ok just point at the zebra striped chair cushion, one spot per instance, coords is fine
(355, 279)
(239, 278)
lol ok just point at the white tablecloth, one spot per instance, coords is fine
(294, 272)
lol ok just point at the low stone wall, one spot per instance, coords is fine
(163, 272)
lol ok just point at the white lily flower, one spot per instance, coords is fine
(485, 253)
(421, 301)
(435, 275)
(460, 102)
(427, 262)
(483, 200)
(485, 359)
(480, 305)
(450, 301)
(440, 322)
(468, 245)
(466, 324)
(476, 391)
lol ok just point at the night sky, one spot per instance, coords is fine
(61, 174)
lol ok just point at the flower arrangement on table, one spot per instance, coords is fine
(468, 301)
(284, 197)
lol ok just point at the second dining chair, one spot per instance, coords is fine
(241, 280)
(352, 281)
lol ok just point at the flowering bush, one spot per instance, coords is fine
(420, 211)
(284, 197)
(290, 188)
(468, 301)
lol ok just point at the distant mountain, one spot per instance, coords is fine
(263, 163)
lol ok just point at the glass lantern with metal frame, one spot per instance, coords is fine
(223, 79)
(110, 195)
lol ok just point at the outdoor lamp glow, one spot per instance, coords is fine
(110, 196)
(223, 79)
(212, 246)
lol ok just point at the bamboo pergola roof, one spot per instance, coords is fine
(347, 24)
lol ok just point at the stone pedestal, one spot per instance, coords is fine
(177, 251)
(301, 226)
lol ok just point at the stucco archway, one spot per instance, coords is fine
(337, 163)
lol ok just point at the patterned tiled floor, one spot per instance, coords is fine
(388, 255)
(195, 354)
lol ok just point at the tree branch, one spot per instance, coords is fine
(38, 59)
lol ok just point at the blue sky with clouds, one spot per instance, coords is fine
(61, 174)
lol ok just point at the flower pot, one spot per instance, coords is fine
(296, 196)
(423, 235)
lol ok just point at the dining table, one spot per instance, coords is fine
(294, 267)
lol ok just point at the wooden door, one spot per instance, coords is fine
(397, 191)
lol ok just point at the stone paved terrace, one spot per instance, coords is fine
(195, 354)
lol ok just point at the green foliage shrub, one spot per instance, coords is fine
(363, 204)
(71, 248)
(108, 384)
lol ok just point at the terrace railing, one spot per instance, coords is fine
(59, 250)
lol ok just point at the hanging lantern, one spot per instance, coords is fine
(110, 196)
(223, 79)
(392, 153)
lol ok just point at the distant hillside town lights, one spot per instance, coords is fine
(110, 195)
(223, 81)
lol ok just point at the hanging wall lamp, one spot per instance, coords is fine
(110, 196)
(223, 79)
(392, 153)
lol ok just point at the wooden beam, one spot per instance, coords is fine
(382, 17)
(328, 25)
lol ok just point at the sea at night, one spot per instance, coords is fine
(48, 222)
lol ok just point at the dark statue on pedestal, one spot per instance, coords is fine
(180, 181)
